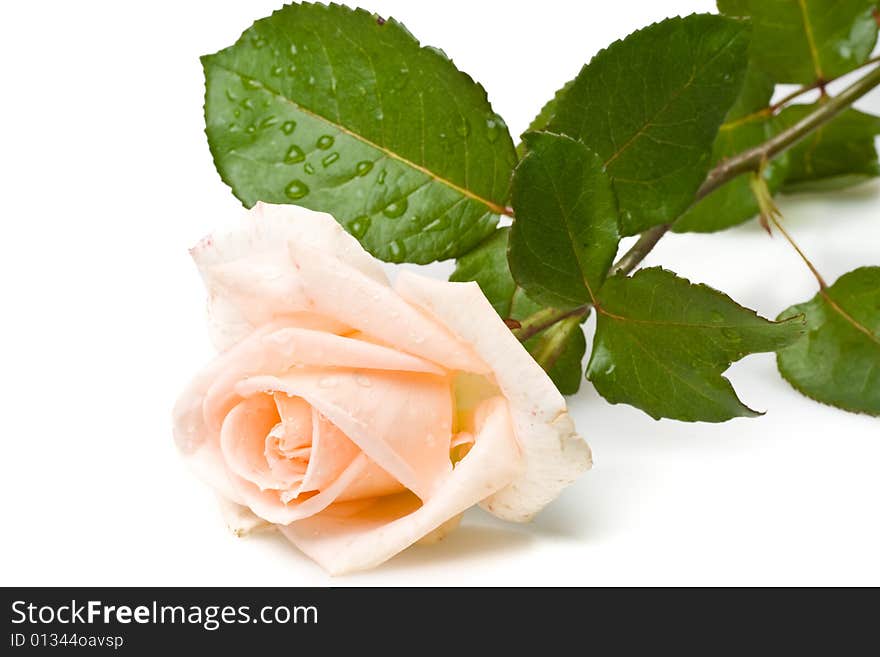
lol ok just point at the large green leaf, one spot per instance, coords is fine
(650, 106)
(662, 344)
(565, 236)
(487, 265)
(838, 361)
(804, 41)
(332, 109)
(838, 154)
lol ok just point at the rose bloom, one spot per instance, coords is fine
(357, 417)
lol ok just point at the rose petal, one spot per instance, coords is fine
(243, 439)
(555, 455)
(401, 420)
(337, 290)
(248, 272)
(354, 536)
(332, 452)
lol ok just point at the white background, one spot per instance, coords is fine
(107, 180)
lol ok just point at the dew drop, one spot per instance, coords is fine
(247, 103)
(397, 251)
(268, 122)
(379, 114)
(288, 127)
(259, 42)
(237, 113)
(327, 382)
(363, 381)
(401, 79)
(250, 83)
(441, 223)
(396, 208)
(381, 178)
(251, 129)
(325, 142)
(493, 130)
(293, 50)
(291, 69)
(330, 159)
(230, 96)
(312, 80)
(294, 155)
(363, 168)
(278, 70)
(308, 168)
(359, 226)
(296, 189)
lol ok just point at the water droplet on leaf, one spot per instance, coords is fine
(359, 226)
(294, 155)
(296, 189)
(325, 142)
(330, 159)
(288, 127)
(396, 208)
(397, 251)
(363, 168)
(308, 168)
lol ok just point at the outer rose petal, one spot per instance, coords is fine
(554, 454)
(248, 273)
(356, 536)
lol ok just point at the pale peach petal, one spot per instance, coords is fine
(401, 420)
(337, 290)
(268, 504)
(248, 273)
(555, 455)
(243, 439)
(240, 519)
(275, 348)
(332, 452)
(354, 536)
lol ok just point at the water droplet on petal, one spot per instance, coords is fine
(294, 155)
(325, 142)
(288, 127)
(296, 189)
(396, 208)
(363, 381)
(397, 251)
(359, 226)
(363, 168)
(327, 382)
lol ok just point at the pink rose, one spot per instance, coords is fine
(355, 416)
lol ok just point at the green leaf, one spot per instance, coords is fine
(662, 344)
(540, 122)
(838, 361)
(650, 106)
(804, 41)
(487, 265)
(564, 237)
(754, 96)
(839, 154)
(332, 109)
